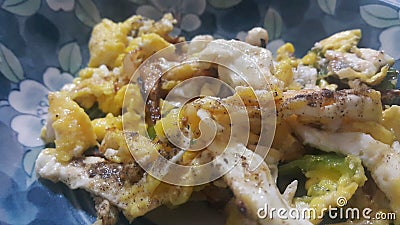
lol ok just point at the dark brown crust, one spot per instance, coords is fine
(150, 84)
(322, 97)
(113, 172)
(119, 173)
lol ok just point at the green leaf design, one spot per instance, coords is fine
(273, 23)
(379, 16)
(10, 66)
(223, 4)
(328, 6)
(70, 57)
(21, 7)
(29, 159)
(4, 103)
(138, 1)
(87, 12)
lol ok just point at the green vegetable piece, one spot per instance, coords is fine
(390, 80)
(151, 132)
(330, 177)
(95, 112)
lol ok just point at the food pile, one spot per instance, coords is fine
(337, 128)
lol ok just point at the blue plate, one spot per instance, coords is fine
(43, 44)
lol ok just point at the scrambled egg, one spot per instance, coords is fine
(99, 85)
(73, 129)
(109, 42)
(101, 125)
(329, 177)
(391, 120)
(310, 110)
(342, 41)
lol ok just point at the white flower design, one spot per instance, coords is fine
(241, 35)
(185, 11)
(387, 17)
(56, 5)
(389, 41)
(31, 101)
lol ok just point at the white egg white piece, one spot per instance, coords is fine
(380, 159)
